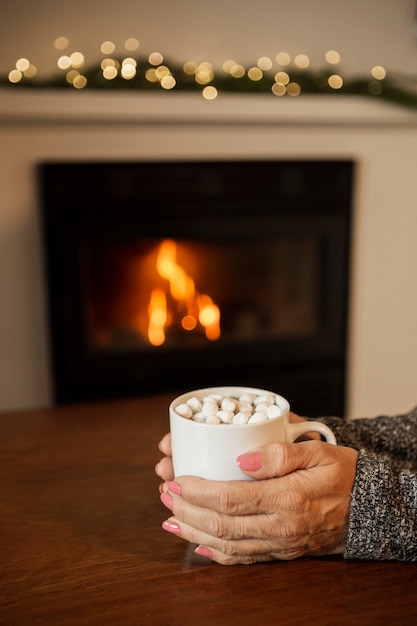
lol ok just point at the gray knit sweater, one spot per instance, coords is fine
(383, 510)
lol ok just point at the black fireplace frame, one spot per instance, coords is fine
(86, 201)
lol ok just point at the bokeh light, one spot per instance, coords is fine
(335, 81)
(283, 58)
(61, 43)
(132, 44)
(155, 58)
(332, 57)
(255, 73)
(107, 47)
(210, 92)
(302, 61)
(378, 72)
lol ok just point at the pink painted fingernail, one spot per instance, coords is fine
(171, 527)
(203, 551)
(251, 461)
(174, 487)
(167, 500)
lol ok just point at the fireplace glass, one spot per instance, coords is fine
(177, 275)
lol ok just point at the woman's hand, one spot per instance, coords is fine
(164, 468)
(298, 505)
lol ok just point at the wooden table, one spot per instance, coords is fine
(81, 539)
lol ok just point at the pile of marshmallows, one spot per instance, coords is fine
(247, 408)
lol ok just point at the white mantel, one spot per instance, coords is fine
(38, 126)
(53, 106)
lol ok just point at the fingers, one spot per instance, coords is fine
(280, 459)
(164, 468)
(165, 445)
(232, 551)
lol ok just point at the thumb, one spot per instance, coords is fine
(278, 459)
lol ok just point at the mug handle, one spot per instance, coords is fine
(302, 428)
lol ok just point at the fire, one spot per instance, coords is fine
(158, 316)
(193, 308)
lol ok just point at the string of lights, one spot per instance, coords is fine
(279, 76)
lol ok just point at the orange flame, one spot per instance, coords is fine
(157, 311)
(199, 308)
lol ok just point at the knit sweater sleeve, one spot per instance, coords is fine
(383, 511)
(393, 436)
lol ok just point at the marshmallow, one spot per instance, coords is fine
(209, 408)
(273, 411)
(194, 404)
(248, 408)
(184, 410)
(225, 416)
(257, 417)
(242, 417)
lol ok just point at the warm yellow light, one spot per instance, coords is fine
(335, 81)
(255, 73)
(128, 70)
(278, 89)
(151, 76)
(31, 71)
(283, 58)
(71, 76)
(158, 317)
(131, 44)
(109, 73)
(15, 76)
(204, 73)
(107, 47)
(157, 311)
(188, 322)
(332, 57)
(189, 67)
(210, 92)
(203, 77)
(108, 62)
(64, 62)
(155, 58)
(282, 78)
(228, 65)
(168, 82)
(378, 72)
(264, 63)
(167, 258)
(293, 89)
(183, 291)
(77, 59)
(213, 332)
(22, 64)
(302, 61)
(209, 315)
(79, 82)
(61, 43)
(237, 71)
(129, 61)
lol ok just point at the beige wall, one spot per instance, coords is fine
(365, 32)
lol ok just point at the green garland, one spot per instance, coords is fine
(395, 87)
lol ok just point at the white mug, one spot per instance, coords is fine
(210, 450)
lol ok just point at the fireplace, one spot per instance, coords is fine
(167, 276)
